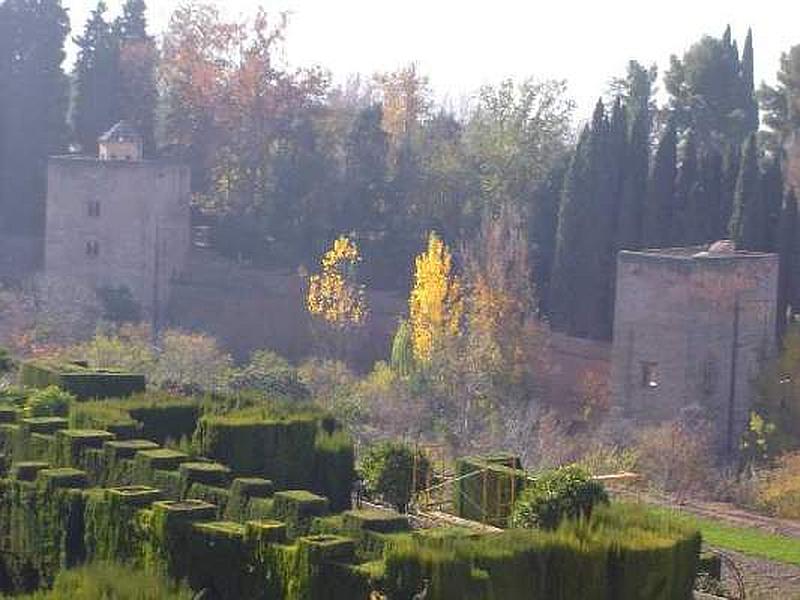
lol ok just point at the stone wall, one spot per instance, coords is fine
(113, 223)
(691, 331)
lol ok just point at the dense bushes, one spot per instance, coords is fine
(49, 402)
(154, 416)
(620, 553)
(6, 362)
(111, 582)
(389, 470)
(780, 493)
(80, 380)
(549, 498)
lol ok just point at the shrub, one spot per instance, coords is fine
(388, 471)
(271, 374)
(117, 582)
(51, 401)
(6, 362)
(567, 492)
(119, 305)
(780, 493)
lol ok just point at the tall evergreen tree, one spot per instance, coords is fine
(568, 302)
(34, 105)
(748, 224)
(787, 251)
(730, 174)
(138, 58)
(716, 226)
(658, 213)
(750, 104)
(637, 92)
(366, 175)
(684, 229)
(772, 190)
(96, 81)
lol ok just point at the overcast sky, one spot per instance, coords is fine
(461, 44)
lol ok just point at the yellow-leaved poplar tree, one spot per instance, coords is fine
(334, 295)
(435, 305)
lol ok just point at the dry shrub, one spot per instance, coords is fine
(780, 492)
(677, 458)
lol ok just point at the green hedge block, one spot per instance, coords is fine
(9, 414)
(281, 450)
(265, 531)
(40, 446)
(218, 496)
(27, 470)
(381, 521)
(93, 461)
(71, 443)
(46, 425)
(219, 559)
(83, 382)
(334, 468)
(171, 532)
(298, 508)
(118, 449)
(139, 496)
(169, 482)
(209, 473)
(252, 487)
(485, 490)
(328, 548)
(241, 491)
(164, 459)
(259, 508)
(65, 477)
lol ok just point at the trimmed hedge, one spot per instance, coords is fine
(83, 382)
(155, 416)
(487, 487)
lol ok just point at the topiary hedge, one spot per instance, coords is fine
(552, 496)
(83, 382)
(389, 470)
(486, 488)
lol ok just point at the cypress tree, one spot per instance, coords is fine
(748, 84)
(137, 58)
(684, 229)
(772, 193)
(711, 180)
(96, 80)
(748, 224)
(658, 212)
(730, 174)
(570, 264)
(787, 251)
(34, 105)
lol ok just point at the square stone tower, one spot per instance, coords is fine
(119, 220)
(692, 327)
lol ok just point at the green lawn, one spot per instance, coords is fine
(746, 540)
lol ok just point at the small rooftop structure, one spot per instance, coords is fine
(121, 142)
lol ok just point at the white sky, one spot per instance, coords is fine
(462, 44)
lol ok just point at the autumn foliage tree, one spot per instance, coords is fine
(436, 306)
(335, 297)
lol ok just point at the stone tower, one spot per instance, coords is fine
(119, 220)
(691, 328)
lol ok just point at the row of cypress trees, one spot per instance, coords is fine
(114, 79)
(619, 193)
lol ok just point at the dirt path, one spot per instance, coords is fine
(764, 579)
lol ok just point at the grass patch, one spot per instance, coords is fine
(747, 540)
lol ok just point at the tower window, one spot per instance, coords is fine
(650, 375)
(92, 248)
(94, 208)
